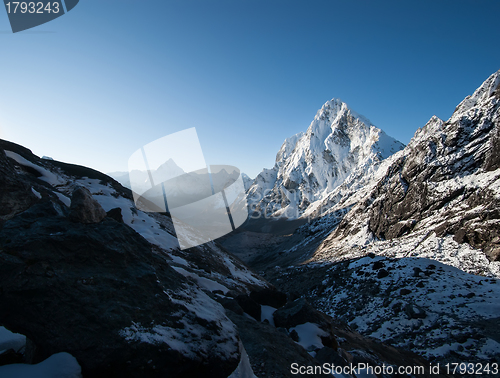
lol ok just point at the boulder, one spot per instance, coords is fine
(84, 208)
(115, 214)
(230, 304)
(414, 312)
(300, 312)
(382, 273)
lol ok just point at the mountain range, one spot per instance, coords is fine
(402, 247)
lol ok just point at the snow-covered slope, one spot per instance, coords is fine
(417, 304)
(247, 181)
(310, 165)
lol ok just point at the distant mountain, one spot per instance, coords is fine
(170, 170)
(166, 171)
(121, 177)
(310, 165)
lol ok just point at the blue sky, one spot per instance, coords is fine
(95, 85)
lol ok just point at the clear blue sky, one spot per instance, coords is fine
(94, 85)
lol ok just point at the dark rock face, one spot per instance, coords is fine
(269, 297)
(84, 208)
(230, 304)
(299, 312)
(93, 289)
(15, 191)
(249, 306)
(10, 356)
(492, 160)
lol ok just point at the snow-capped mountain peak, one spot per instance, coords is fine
(311, 165)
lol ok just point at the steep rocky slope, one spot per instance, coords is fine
(112, 289)
(444, 188)
(417, 304)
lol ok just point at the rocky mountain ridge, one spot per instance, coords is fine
(444, 184)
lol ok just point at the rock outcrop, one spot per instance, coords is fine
(435, 179)
(445, 183)
(15, 192)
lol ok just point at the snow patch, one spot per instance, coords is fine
(37, 194)
(47, 176)
(309, 336)
(11, 340)
(60, 365)
(205, 283)
(266, 313)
